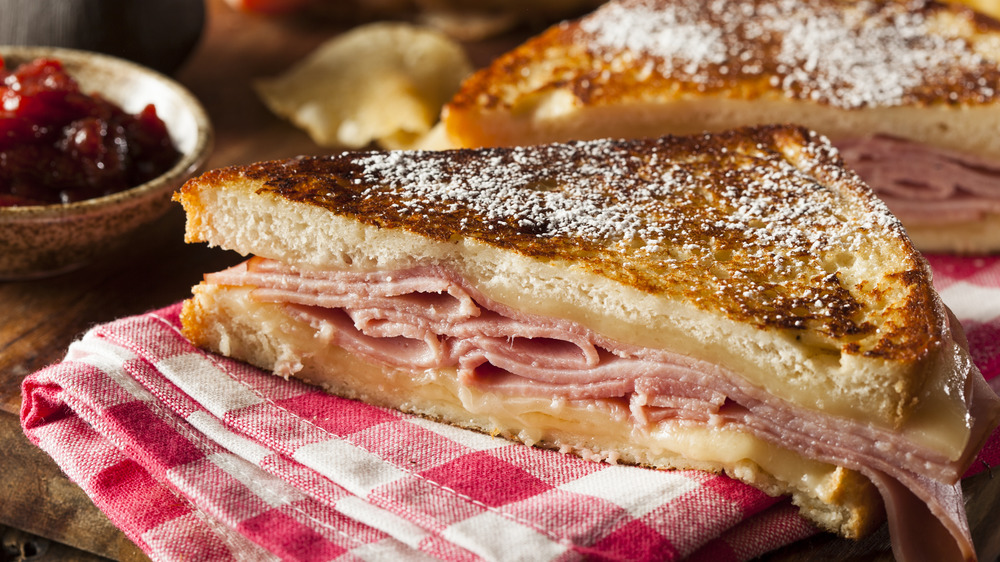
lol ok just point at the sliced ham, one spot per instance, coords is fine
(922, 183)
(431, 318)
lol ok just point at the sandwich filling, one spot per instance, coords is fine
(922, 184)
(430, 319)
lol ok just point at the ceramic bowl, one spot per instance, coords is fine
(44, 240)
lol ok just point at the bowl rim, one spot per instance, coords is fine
(189, 162)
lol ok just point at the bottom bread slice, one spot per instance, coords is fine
(228, 321)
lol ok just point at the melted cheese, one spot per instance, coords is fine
(594, 429)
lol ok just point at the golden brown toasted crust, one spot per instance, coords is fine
(838, 52)
(753, 223)
(922, 72)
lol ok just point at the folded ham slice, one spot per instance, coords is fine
(430, 318)
(924, 184)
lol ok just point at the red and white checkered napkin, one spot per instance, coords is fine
(197, 457)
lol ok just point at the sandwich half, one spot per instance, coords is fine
(908, 90)
(735, 302)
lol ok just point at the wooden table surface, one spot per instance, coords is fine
(39, 319)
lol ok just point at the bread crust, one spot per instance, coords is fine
(574, 56)
(857, 73)
(338, 185)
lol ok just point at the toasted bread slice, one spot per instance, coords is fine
(735, 302)
(921, 72)
(988, 7)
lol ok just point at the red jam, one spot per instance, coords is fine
(59, 145)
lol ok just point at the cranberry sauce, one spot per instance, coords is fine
(58, 144)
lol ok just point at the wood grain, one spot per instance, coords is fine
(35, 495)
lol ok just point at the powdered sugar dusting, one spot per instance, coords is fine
(525, 188)
(640, 29)
(754, 221)
(848, 54)
(645, 198)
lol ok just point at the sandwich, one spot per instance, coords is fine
(908, 90)
(735, 302)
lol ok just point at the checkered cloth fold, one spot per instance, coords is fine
(198, 457)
